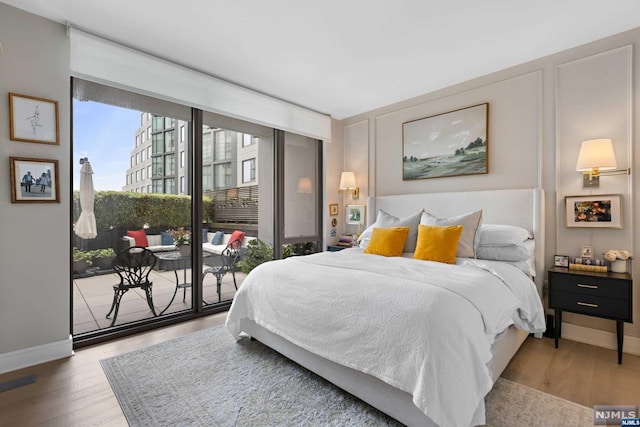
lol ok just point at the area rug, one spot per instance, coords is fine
(207, 379)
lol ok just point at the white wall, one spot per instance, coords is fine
(34, 261)
(539, 113)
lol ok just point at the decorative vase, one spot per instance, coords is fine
(185, 250)
(619, 266)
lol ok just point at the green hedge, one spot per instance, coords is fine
(126, 209)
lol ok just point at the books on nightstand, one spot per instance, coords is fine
(345, 241)
(587, 264)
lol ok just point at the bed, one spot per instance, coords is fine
(421, 341)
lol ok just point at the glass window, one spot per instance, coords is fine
(157, 186)
(148, 188)
(169, 142)
(168, 122)
(137, 158)
(137, 140)
(137, 176)
(142, 155)
(182, 159)
(207, 147)
(170, 185)
(222, 175)
(158, 143)
(182, 184)
(207, 178)
(170, 164)
(249, 170)
(223, 141)
(148, 152)
(149, 173)
(142, 136)
(149, 133)
(131, 161)
(142, 173)
(157, 123)
(182, 134)
(158, 165)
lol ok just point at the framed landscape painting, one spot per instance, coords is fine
(34, 180)
(447, 144)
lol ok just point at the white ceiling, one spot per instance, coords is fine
(345, 57)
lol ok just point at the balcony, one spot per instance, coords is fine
(92, 297)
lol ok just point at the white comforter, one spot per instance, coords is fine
(423, 327)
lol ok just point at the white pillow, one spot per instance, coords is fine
(502, 235)
(385, 220)
(519, 252)
(469, 237)
(528, 266)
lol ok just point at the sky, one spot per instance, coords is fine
(106, 135)
(444, 133)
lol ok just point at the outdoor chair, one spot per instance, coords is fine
(228, 260)
(133, 266)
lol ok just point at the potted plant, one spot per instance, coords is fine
(182, 239)
(81, 260)
(102, 258)
(618, 259)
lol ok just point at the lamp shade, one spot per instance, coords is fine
(596, 153)
(305, 186)
(348, 181)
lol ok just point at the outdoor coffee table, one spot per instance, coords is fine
(173, 261)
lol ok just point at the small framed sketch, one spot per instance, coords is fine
(355, 214)
(597, 211)
(34, 180)
(333, 209)
(586, 251)
(33, 119)
(561, 260)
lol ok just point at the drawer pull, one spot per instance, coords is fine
(580, 285)
(587, 304)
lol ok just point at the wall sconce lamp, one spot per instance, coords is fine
(348, 183)
(304, 186)
(597, 158)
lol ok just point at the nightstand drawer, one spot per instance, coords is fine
(591, 305)
(592, 286)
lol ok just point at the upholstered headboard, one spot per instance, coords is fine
(521, 207)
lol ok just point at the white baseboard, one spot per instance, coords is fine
(35, 355)
(600, 338)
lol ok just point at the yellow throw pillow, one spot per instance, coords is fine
(387, 241)
(438, 243)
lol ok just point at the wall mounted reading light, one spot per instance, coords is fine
(348, 183)
(597, 158)
(304, 186)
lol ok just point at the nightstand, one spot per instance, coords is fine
(334, 248)
(605, 295)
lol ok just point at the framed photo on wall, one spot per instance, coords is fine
(34, 180)
(333, 209)
(447, 144)
(594, 211)
(355, 214)
(33, 119)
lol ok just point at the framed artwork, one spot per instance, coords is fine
(447, 144)
(33, 119)
(561, 260)
(355, 214)
(595, 211)
(586, 251)
(34, 180)
(333, 209)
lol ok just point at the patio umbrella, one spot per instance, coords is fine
(86, 225)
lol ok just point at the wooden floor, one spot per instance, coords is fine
(75, 391)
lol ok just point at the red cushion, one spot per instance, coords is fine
(236, 239)
(140, 236)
